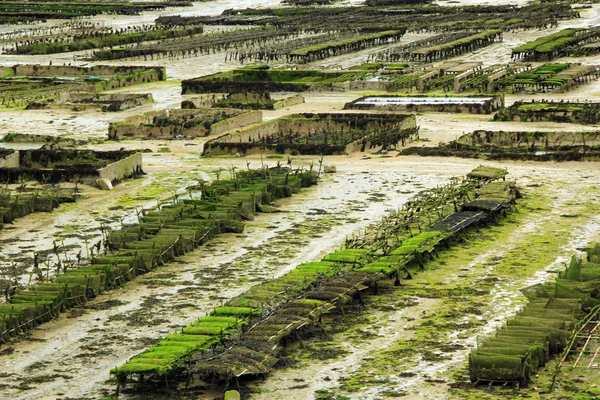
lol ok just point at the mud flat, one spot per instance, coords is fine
(261, 246)
(410, 340)
(434, 319)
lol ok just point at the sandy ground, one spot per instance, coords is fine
(71, 356)
(74, 353)
(85, 347)
(427, 379)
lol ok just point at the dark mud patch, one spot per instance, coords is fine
(326, 351)
(43, 379)
(75, 313)
(7, 351)
(106, 305)
(35, 366)
(154, 283)
(393, 393)
(317, 211)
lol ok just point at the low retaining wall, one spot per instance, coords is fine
(288, 102)
(119, 81)
(215, 84)
(10, 160)
(142, 126)
(250, 139)
(84, 101)
(494, 104)
(240, 121)
(202, 101)
(253, 101)
(587, 113)
(61, 80)
(368, 86)
(60, 165)
(122, 169)
(73, 71)
(548, 140)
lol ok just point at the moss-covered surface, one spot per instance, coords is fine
(420, 333)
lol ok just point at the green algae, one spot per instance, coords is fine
(460, 285)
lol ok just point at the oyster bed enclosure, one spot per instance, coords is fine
(451, 76)
(472, 105)
(457, 76)
(326, 134)
(23, 201)
(22, 12)
(188, 123)
(99, 37)
(371, 19)
(259, 101)
(54, 166)
(571, 41)
(84, 101)
(23, 84)
(244, 100)
(536, 146)
(261, 79)
(528, 140)
(534, 111)
(555, 77)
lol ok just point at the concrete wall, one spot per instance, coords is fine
(119, 81)
(109, 78)
(541, 116)
(122, 169)
(85, 101)
(288, 102)
(49, 105)
(496, 103)
(40, 164)
(206, 100)
(140, 126)
(298, 125)
(103, 98)
(528, 139)
(368, 86)
(10, 161)
(237, 122)
(329, 87)
(118, 132)
(244, 135)
(249, 97)
(303, 126)
(66, 70)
